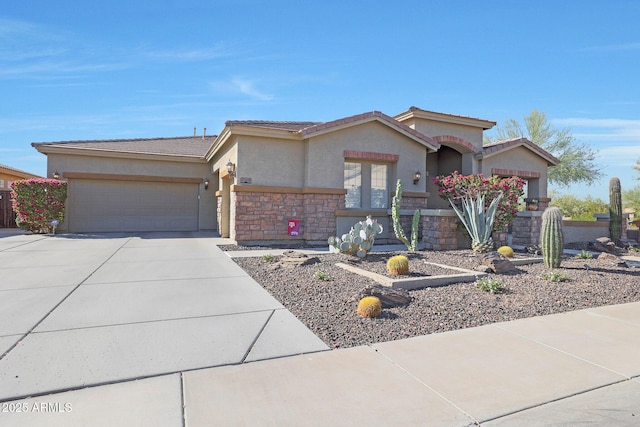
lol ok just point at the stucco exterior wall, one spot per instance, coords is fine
(520, 159)
(433, 128)
(269, 161)
(325, 155)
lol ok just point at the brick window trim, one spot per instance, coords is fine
(514, 172)
(368, 155)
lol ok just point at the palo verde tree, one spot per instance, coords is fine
(577, 161)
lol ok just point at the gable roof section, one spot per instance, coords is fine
(8, 170)
(187, 147)
(267, 124)
(500, 147)
(415, 112)
(358, 119)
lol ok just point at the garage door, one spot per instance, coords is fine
(130, 206)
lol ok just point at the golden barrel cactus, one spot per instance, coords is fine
(398, 265)
(505, 251)
(370, 307)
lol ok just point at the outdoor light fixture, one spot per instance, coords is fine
(416, 177)
(56, 175)
(206, 183)
(231, 168)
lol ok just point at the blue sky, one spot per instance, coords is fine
(73, 70)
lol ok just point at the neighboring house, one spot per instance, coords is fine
(7, 176)
(283, 181)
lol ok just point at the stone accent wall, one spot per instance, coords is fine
(440, 232)
(262, 216)
(319, 215)
(219, 213)
(500, 238)
(526, 228)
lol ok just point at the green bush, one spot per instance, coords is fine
(37, 202)
(584, 255)
(555, 276)
(490, 285)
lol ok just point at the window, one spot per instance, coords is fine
(1, 183)
(367, 185)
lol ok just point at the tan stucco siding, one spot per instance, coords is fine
(325, 154)
(76, 163)
(433, 128)
(520, 159)
(272, 162)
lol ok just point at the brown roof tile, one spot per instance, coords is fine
(17, 171)
(189, 146)
(506, 144)
(290, 126)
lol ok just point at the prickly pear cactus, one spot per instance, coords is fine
(359, 240)
(551, 237)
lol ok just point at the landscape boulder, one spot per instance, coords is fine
(496, 262)
(291, 259)
(389, 297)
(610, 259)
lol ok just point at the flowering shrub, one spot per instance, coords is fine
(457, 186)
(38, 201)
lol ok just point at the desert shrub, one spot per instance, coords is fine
(488, 284)
(584, 255)
(37, 202)
(321, 275)
(555, 276)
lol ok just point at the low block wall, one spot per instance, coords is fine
(584, 231)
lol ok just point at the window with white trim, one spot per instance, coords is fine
(367, 185)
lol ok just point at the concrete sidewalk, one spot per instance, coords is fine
(125, 322)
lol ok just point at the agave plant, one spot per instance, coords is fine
(478, 221)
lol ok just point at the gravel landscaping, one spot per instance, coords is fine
(328, 307)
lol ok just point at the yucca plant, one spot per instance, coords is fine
(478, 221)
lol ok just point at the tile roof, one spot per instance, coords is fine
(18, 171)
(189, 146)
(290, 126)
(506, 144)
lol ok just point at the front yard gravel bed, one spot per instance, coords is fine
(328, 308)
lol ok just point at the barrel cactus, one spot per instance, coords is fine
(369, 307)
(506, 251)
(398, 265)
(615, 210)
(551, 237)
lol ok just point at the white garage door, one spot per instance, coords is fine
(130, 206)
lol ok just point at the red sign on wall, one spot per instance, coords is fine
(293, 226)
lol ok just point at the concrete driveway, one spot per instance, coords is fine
(78, 311)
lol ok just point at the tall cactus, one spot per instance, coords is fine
(615, 210)
(397, 227)
(551, 237)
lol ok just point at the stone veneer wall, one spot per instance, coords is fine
(440, 230)
(407, 208)
(262, 216)
(526, 228)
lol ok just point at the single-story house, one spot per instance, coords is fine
(267, 181)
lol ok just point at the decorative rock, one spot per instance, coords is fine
(291, 259)
(603, 244)
(389, 297)
(484, 269)
(607, 258)
(498, 263)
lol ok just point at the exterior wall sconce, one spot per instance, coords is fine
(56, 175)
(416, 177)
(231, 168)
(206, 183)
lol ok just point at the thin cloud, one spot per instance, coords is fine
(241, 86)
(191, 55)
(602, 129)
(613, 47)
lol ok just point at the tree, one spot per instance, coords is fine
(637, 168)
(631, 199)
(578, 209)
(576, 160)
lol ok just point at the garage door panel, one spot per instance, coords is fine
(117, 206)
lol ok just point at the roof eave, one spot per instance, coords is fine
(444, 117)
(53, 149)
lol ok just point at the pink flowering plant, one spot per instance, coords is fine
(456, 187)
(37, 202)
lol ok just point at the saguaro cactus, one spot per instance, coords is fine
(615, 210)
(551, 237)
